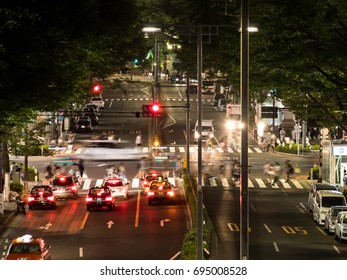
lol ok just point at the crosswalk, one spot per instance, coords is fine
(215, 182)
(176, 150)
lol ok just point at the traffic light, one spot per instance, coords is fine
(136, 61)
(96, 88)
(156, 141)
(153, 110)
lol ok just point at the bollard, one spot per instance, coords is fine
(1, 204)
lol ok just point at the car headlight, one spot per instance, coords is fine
(196, 135)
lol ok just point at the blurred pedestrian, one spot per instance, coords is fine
(277, 172)
(81, 167)
(288, 169)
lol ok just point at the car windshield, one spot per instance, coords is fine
(25, 248)
(335, 212)
(332, 201)
(40, 191)
(206, 128)
(85, 122)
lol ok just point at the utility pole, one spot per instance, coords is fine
(244, 88)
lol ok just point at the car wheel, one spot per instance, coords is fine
(88, 208)
(111, 208)
(149, 202)
(30, 207)
(54, 206)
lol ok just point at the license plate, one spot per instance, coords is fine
(99, 200)
(161, 194)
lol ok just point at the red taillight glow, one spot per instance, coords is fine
(73, 188)
(40, 193)
(62, 179)
(89, 199)
(50, 198)
(108, 198)
(145, 182)
(150, 193)
(161, 187)
(31, 198)
(171, 193)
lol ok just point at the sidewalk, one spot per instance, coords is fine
(10, 208)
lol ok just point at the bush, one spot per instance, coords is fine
(17, 187)
(294, 148)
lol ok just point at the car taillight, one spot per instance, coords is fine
(50, 198)
(89, 199)
(150, 193)
(108, 198)
(73, 188)
(124, 190)
(171, 193)
(145, 182)
(31, 198)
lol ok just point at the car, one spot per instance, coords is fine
(313, 191)
(84, 124)
(42, 196)
(28, 248)
(324, 200)
(93, 105)
(341, 226)
(65, 187)
(118, 186)
(93, 118)
(160, 191)
(89, 110)
(330, 219)
(149, 177)
(100, 197)
(98, 101)
(207, 130)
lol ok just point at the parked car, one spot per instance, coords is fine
(313, 191)
(330, 219)
(341, 226)
(324, 200)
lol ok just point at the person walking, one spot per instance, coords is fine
(138, 140)
(81, 167)
(288, 169)
(277, 172)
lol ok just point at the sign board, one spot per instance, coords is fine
(340, 150)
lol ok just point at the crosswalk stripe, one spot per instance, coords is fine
(258, 150)
(285, 184)
(181, 149)
(261, 183)
(145, 149)
(230, 150)
(250, 183)
(220, 150)
(212, 182)
(99, 182)
(191, 149)
(135, 183)
(250, 151)
(172, 149)
(86, 184)
(297, 184)
(225, 182)
(171, 180)
(78, 151)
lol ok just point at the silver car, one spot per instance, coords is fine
(330, 219)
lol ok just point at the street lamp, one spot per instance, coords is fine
(156, 29)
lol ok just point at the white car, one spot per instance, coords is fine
(118, 186)
(313, 191)
(341, 226)
(330, 219)
(98, 101)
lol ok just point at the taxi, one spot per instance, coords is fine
(42, 196)
(65, 187)
(118, 186)
(100, 197)
(149, 177)
(28, 248)
(160, 191)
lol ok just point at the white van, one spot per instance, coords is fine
(324, 200)
(313, 191)
(207, 130)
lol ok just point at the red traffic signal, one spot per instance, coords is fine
(96, 88)
(154, 108)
